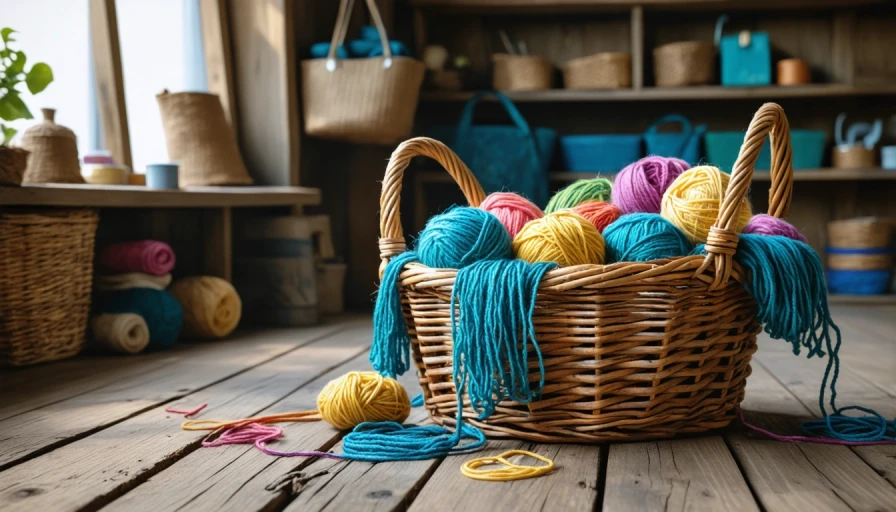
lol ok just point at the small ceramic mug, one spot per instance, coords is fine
(162, 176)
(888, 157)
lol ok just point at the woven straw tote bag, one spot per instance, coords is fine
(370, 101)
(631, 350)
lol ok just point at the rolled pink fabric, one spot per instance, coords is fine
(146, 256)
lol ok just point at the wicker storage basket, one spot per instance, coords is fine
(631, 350)
(521, 72)
(46, 274)
(369, 101)
(684, 63)
(13, 162)
(610, 70)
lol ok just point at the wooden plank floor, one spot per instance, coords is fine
(91, 433)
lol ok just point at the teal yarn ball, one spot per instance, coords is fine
(598, 189)
(644, 237)
(162, 313)
(461, 236)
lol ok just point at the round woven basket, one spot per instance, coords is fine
(610, 70)
(46, 274)
(53, 152)
(684, 63)
(13, 162)
(860, 233)
(521, 72)
(631, 350)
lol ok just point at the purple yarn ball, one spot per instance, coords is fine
(639, 187)
(763, 224)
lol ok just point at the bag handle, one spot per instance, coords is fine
(720, 25)
(722, 241)
(466, 120)
(343, 18)
(687, 130)
(391, 240)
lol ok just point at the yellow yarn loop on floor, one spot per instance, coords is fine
(693, 200)
(357, 397)
(563, 237)
(510, 471)
(211, 306)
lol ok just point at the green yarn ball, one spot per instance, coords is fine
(579, 191)
(644, 237)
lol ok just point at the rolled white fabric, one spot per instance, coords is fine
(125, 333)
(131, 280)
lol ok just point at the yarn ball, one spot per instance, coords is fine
(513, 210)
(639, 186)
(125, 333)
(145, 256)
(358, 397)
(580, 191)
(693, 200)
(463, 235)
(599, 213)
(162, 313)
(764, 224)
(644, 237)
(212, 308)
(108, 283)
(564, 237)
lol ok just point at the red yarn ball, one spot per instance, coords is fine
(599, 213)
(513, 210)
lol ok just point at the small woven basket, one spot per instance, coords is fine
(610, 70)
(53, 152)
(13, 162)
(860, 244)
(631, 350)
(521, 72)
(46, 275)
(684, 63)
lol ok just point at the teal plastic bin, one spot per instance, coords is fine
(722, 149)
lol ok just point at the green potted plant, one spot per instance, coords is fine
(12, 74)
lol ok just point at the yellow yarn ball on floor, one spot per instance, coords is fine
(563, 237)
(693, 200)
(357, 397)
(212, 308)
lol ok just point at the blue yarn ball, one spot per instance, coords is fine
(644, 237)
(461, 236)
(321, 50)
(162, 313)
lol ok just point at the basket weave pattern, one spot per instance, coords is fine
(13, 162)
(610, 70)
(46, 273)
(684, 63)
(521, 72)
(631, 350)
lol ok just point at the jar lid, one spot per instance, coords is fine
(48, 128)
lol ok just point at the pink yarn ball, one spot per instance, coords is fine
(639, 187)
(513, 210)
(763, 224)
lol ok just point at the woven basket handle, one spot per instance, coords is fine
(391, 235)
(722, 241)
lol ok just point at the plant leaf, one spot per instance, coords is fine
(5, 33)
(18, 64)
(39, 77)
(8, 133)
(12, 107)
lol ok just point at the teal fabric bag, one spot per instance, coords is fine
(684, 144)
(746, 57)
(504, 158)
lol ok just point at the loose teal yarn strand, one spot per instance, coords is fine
(496, 300)
(786, 279)
(390, 353)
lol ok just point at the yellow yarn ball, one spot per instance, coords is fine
(357, 397)
(693, 200)
(564, 237)
(212, 308)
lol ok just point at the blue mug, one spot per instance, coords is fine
(162, 176)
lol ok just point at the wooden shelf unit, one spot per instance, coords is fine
(836, 298)
(577, 6)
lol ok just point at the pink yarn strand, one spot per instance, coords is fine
(258, 435)
(804, 439)
(189, 413)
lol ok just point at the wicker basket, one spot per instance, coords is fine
(521, 72)
(860, 244)
(631, 350)
(611, 70)
(684, 63)
(370, 100)
(13, 162)
(46, 274)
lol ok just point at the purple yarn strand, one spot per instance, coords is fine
(764, 224)
(639, 187)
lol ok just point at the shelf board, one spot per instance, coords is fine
(701, 92)
(128, 196)
(869, 174)
(889, 298)
(573, 6)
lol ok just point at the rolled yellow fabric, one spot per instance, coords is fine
(131, 280)
(125, 333)
(212, 308)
